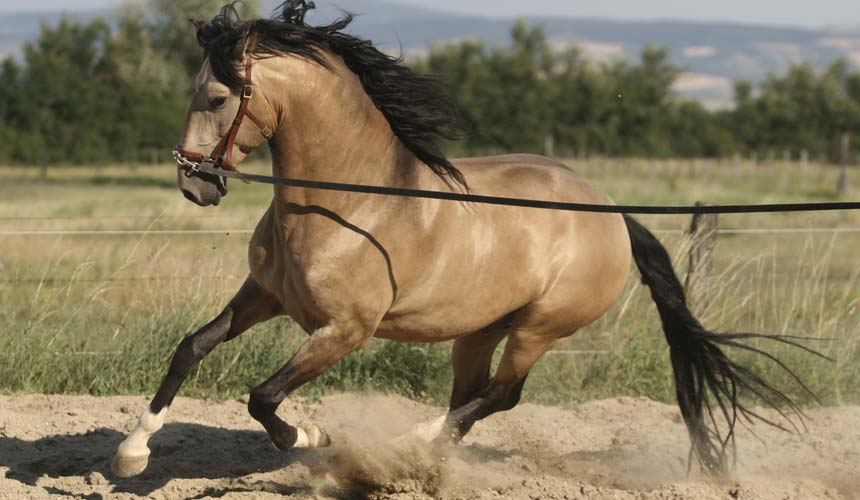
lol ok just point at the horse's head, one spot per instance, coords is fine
(220, 130)
(329, 93)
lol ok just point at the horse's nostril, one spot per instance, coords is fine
(188, 195)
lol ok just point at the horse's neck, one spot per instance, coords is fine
(335, 133)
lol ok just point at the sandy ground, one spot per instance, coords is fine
(52, 446)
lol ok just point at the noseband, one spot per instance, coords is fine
(222, 156)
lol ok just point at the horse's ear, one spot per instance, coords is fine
(203, 38)
(250, 44)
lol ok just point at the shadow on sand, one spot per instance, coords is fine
(179, 451)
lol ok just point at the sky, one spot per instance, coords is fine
(814, 13)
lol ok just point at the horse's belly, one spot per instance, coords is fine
(430, 326)
(458, 305)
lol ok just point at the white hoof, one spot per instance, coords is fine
(132, 456)
(125, 467)
(312, 436)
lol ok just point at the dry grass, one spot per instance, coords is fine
(122, 303)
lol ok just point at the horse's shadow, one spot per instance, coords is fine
(179, 451)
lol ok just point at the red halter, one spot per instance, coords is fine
(222, 155)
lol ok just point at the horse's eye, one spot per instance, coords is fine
(217, 102)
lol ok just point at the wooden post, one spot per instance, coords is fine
(583, 161)
(703, 242)
(786, 164)
(753, 165)
(804, 168)
(737, 168)
(842, 183)
(43, 167)
(823, 162)
(549, 146)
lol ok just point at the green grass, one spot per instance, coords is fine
(83, 295)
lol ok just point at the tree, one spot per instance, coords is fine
(804, 109)
(582, 103)
(97, 91)
(174, 34)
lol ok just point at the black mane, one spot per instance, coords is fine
(415, 105)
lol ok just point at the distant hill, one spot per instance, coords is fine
(713, 54)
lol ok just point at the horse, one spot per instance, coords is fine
(348, 267)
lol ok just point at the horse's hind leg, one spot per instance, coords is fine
(252, 305)
(471, 358)
(522, 351)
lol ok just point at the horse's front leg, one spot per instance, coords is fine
(252, 305)
(323, 349)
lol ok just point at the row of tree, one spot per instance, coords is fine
(94, 92)
(518, 96)
(98, 92)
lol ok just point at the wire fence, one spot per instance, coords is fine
(157, 279)
(246, 232)
(71, 280)
(127, 232)
(120, 279)
(108, 217)
(229, 232)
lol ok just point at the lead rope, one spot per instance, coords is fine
(520, 202)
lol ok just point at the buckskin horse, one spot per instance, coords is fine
(349, 267)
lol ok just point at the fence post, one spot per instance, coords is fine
(737, 166)
(583, 160)
(804, 169)
(549, 146)
(842, 183)
(703, 242)
(784, 171)
(753, 165)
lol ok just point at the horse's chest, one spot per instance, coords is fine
(318, 280)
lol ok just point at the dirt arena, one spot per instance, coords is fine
(61, 446)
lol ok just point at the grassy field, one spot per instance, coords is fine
(101, 314)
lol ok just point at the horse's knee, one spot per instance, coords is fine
(197, 346)
(188, 352)
(187, 355)
(261, 404)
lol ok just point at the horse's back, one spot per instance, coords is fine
(528, 175)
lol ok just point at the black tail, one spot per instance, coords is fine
(708, 384)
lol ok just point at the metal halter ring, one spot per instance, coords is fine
(184, 162)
